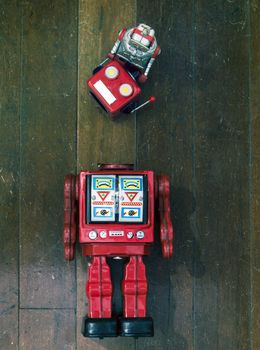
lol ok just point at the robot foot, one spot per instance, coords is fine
(99, 327)
(136, 327)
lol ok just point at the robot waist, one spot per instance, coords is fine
(110, 249)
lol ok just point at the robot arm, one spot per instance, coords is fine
(70, 216)
(166, 228)
(143, 77)
(112, 53)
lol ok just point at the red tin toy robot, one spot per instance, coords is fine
(114, 83)
(113, 211)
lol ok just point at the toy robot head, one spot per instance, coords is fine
(138, 46)
(142, 37)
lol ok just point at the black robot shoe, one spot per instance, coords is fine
(136, 327)
(99, 327)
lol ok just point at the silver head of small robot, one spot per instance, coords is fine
(138, 47)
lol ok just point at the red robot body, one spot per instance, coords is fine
(115, 84)
(113, 210)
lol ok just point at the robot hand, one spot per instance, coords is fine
(111, 55)
(142, 79)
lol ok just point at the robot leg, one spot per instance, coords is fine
(134, 322)
(99, 323)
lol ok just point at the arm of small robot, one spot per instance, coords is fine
(70, 216)
(143, 77)
(166, 228)
(112, 53)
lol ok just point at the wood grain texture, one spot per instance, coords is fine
(48, 129)
(9, 172)
(100, 139)
(255, 188)
(47, 329)
(203, 131)
(221, 296)
(164, 143)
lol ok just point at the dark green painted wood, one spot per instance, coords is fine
(202, 131)
(48, 135)
(221, 296)
(255, 186)
(100, 139)
(9, 172)
(48, 125)
(47, 329)
(164, 144)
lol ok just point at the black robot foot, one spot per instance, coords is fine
(136, 327)
(99, 327)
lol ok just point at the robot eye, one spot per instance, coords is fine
(126, 90)
(111, 72)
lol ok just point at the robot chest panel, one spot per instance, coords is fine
(117, 199)
(117, 208)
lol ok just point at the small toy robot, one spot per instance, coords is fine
(113, 210)
(114, 83)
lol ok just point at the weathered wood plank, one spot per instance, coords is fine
(9, 172)
(48, 131)
(47, 329)
(255, 144)
(221, 296)
(164, 144)
(210, 176)
(100, 139)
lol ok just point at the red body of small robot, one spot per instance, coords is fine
(113, 210)
(114, 84)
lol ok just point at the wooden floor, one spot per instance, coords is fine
(203, 131)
